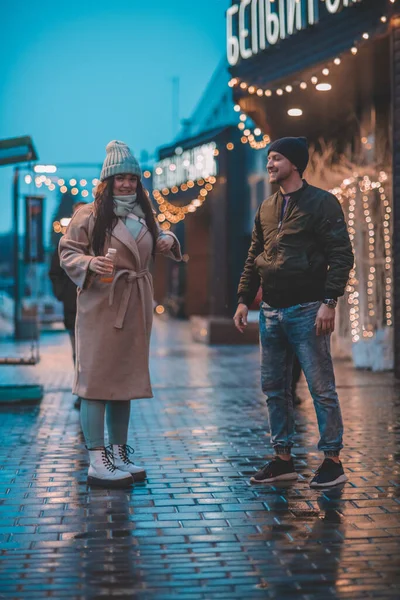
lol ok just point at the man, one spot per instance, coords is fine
(301, 252)
(65, 291)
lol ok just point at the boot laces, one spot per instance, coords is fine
(106, 457)
(124, 451)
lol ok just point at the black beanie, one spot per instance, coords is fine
(294, 149)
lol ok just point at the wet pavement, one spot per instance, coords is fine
(197, 529)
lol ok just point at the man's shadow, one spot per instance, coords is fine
(310, 564)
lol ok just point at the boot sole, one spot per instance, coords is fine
(340, 479)
(139, 477)
(108, 483)
(284, 477)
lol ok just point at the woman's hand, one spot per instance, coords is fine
(101, 265)
(164, 243)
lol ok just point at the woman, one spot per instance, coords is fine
(114, 319)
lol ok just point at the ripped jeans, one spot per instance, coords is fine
(286, 332)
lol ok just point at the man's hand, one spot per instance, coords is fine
(325, 321)
(240, 318)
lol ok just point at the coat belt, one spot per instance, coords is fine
(131, 277)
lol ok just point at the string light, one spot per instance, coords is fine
(356, 192)
(252, 135)
(251, 89)
(172, 213)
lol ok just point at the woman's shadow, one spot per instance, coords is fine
(108, 547)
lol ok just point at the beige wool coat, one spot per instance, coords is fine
(114, 320)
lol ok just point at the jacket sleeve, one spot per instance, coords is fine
(250, 279)
(58, 277)
(75, 250)
(175, 251)
(334, 241)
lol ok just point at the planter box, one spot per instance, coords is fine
(376, 353)
(221, 330)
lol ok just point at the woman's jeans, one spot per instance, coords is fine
(92, 421)
(284, 333)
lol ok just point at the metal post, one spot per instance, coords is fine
(395, 51)
(17, 290)
(175, 105)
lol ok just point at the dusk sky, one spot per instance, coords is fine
(75, 75)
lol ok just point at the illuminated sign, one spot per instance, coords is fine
(262, 23)
(196, 163)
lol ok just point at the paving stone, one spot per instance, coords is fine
(197, 530)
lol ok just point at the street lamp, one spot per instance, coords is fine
(17, 150)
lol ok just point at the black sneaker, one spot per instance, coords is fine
(276, 470)
(328, 474)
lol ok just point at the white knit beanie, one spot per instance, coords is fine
(119, 160)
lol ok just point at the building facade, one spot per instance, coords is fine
(207, 186)
(330, 70)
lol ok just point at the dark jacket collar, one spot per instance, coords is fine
(295, 195)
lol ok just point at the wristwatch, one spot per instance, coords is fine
(330, 302)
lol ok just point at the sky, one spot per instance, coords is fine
(75, 75)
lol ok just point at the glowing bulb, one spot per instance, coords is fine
(323, 87)
(295, 112)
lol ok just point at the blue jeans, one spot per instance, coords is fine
(285, 332)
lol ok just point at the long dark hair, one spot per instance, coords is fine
(105, 218)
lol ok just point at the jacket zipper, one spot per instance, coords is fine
(280, 223)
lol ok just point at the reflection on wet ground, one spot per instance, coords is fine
(197, 529)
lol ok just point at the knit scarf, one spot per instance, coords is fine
(123, 206)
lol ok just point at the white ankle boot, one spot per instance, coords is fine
(122, 462)
(103, 472)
